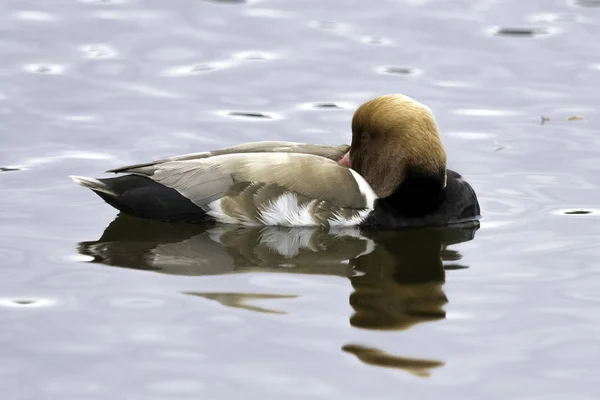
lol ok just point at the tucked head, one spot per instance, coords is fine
(394, 136)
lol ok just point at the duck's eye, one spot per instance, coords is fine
(364, 136)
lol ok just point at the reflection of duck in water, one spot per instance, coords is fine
(393, 175)
(397, 276)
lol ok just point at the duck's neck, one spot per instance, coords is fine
(420, 193)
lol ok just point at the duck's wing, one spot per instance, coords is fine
(257, 188)
(331, 152)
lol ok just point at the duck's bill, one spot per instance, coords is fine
(345, 161)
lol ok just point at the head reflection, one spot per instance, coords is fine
(397, 276)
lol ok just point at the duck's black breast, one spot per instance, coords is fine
(458, 204)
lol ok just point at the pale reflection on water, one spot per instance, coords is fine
(397, 276)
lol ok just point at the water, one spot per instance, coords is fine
(95, 309)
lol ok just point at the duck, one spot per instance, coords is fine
(392, 175)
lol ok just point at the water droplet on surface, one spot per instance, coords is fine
(248, 114)
(98, 51)
(27, 303)
(325, 105)
(520, 32)
(34, 16)
(197, 69)
(254, 56)
(45, 69)
(398, 70)
(578, 212)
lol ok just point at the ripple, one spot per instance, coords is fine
(12, 257)
(329, 25)
(45, 69)
(521, 32)
(239, 300)
(72, 387)
(137, 303)
(255, 56)
(553, 18)
(391, 70)
(586, 3)
(177, 386)
(102, 2)
(40, 16)
(196, 69)
(453, 84)
(79, 155)
(137, 15)
(472, 135)
(480, 112)
(577, 212)
(266, 13)
(249, 115)
(376, 40)
(81, 118)
(27, 303)
(227, 1)
(325, 105)
(98, 51)
(9, 169)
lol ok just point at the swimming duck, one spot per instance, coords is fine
(392, 175)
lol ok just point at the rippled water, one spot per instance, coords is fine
(507, 311)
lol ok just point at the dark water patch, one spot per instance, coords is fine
(246, 114)
(326, 105)
(7, 169)
(398, 70)
(578, 212)
(521, 32)
(24, 302)
(455, 267)
(587, 3)
(377, 357)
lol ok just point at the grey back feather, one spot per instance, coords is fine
(207, 179)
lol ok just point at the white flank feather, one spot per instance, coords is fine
(216, 211)
(365, 189)
(286, 211)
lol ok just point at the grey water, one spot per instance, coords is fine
(96, 306)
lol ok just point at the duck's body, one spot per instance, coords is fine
(294, 184)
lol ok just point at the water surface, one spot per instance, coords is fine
(96, 307)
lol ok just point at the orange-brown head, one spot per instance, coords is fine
(394, 136)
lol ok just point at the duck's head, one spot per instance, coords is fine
(395, 141)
